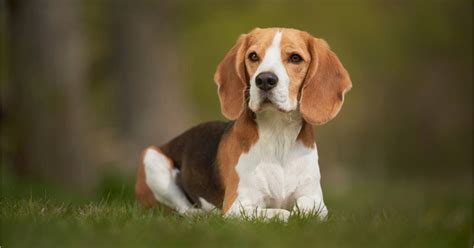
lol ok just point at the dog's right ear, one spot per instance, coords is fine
(231, 80)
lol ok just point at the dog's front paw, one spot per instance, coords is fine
(280, 214)
(193, 212)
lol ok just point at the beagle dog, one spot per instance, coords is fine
(274, 85)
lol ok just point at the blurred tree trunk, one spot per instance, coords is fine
(151, 97)
(48, 92)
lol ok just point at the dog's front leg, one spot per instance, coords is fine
(311, 205)
(256, 212)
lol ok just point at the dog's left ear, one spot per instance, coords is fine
(325, 84)
(231, 80)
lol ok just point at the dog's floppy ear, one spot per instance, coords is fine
(325, 84)
(231, 80)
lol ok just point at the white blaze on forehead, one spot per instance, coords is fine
(272, 59)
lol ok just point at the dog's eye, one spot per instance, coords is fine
(295, 58)
(253, 56)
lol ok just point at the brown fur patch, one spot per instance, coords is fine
(293, 42)
(239, 140)
(306, 135)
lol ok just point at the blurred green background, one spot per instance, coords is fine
(86, 85)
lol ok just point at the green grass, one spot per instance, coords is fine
(368, 214)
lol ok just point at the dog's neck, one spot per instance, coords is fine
(279, 130)
(279, 126)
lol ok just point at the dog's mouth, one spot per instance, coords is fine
(266, 97)
(267, 102)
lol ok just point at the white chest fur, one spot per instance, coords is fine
(278, 169)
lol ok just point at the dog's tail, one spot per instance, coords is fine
(143, 193)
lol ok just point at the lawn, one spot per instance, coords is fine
(367, 214)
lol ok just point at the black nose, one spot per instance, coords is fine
(266, 80)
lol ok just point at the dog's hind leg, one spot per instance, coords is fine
(160, 177)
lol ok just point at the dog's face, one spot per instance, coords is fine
(283, 69)
(276, 66)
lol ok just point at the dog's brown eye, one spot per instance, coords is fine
(253, 56)
(295, 58)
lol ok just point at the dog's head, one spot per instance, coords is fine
(284, 69)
